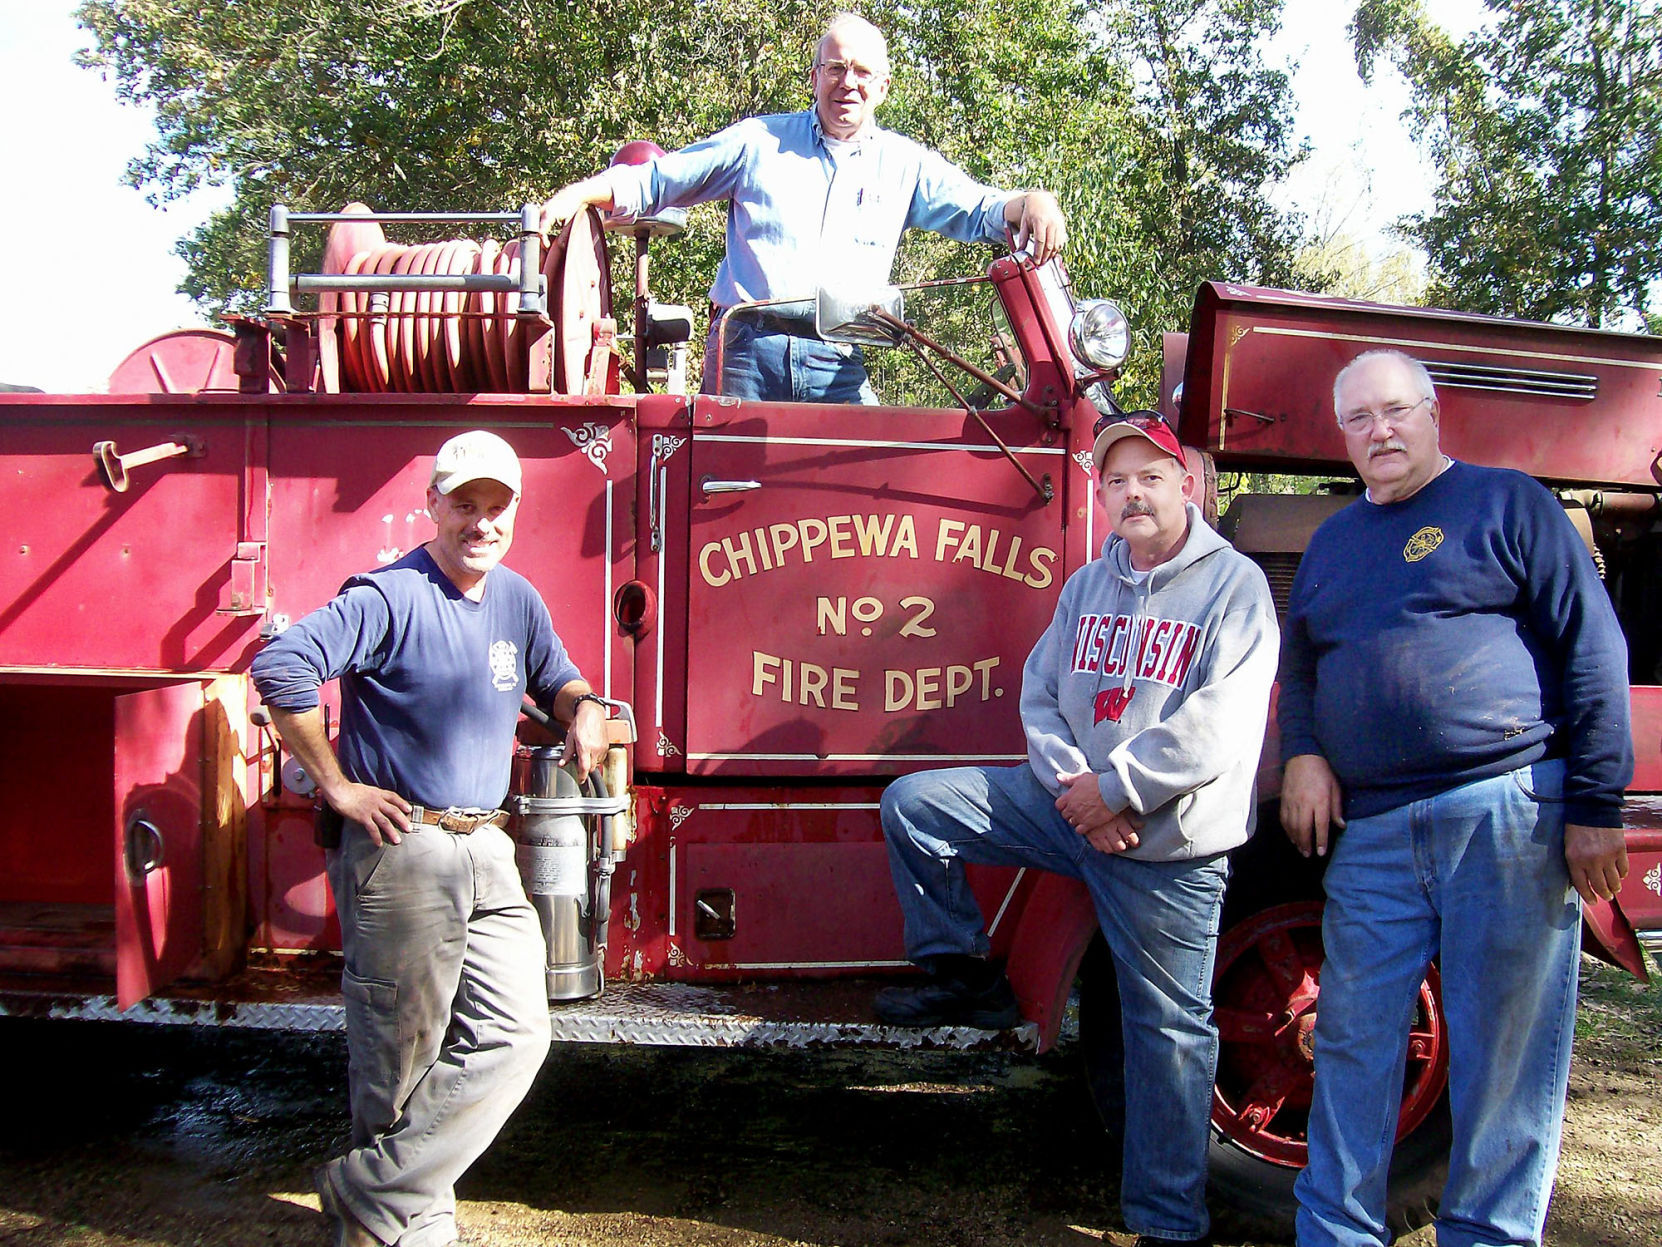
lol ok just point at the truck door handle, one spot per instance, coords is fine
(144, 848)
(712, 486)
(113, 466)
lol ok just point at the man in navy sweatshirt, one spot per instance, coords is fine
(1144, 705)
(1454, 697)
(446, 1002)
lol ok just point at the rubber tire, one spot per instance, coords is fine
(1257, 1190)
(1263, 1190)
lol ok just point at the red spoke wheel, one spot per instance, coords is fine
(1266, 992)
(1266, 995)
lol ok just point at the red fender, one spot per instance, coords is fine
(1057, 925)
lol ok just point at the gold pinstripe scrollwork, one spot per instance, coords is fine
(1236, 333)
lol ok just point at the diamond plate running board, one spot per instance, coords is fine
(788, 1015)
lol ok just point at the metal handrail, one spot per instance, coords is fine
(281, 285)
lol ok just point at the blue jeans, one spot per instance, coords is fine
(1160, 920)
(1476, 876)
(775, 366)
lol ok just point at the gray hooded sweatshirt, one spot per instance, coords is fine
(1161, 687)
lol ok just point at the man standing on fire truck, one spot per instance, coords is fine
(1144, 705)
(1454, 696)
(446, 1004)
(819, 197)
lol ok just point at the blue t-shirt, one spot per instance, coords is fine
(1453, 636)
(431, 681)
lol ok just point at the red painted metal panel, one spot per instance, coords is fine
(810, 878)
(294, 910)
(55, 746)
(1614, 938)
(638, 941)
(94, 578)
(660, 647)
(1257, 390)
(1647, 738)
(157, 835)
(868, 604)
(348, 493)
(1057, 924)
(799, 907)
(1641, 894)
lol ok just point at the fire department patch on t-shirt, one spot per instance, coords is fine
(504, 665)
(1421, 544)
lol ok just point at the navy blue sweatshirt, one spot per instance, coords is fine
(431, 681)
(1454, 636)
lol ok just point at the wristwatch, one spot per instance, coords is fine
(595, 698)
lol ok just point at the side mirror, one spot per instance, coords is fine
(846, 318)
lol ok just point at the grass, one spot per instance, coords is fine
(1620, 1018)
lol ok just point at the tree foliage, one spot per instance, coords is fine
(1210, 131)
(1157, 122)
(1545, 127)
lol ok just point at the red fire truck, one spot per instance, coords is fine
(795, 603)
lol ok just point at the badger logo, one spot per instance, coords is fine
(1111, 703)
(1421, 544)
(504, 666)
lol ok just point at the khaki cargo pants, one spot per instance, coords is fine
(446, 1018)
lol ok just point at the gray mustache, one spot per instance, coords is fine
(1136, 508)
(1381, 448)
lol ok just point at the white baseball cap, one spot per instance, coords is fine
(475, 456)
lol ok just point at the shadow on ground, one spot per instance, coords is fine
(116, 1134)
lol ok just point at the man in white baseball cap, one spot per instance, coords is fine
(475, 456)
(446, 1004)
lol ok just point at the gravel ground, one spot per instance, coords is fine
(132, 1135)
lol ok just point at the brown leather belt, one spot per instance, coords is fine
(459, 821)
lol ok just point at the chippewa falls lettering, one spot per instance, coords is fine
(771, 547)
(1162, 649)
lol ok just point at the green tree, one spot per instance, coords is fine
(426, 104)
(1183, 194)
(1157, 122)
(1545, 128)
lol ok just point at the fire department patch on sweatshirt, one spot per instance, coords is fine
(1422, 543)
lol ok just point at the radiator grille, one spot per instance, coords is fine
(1279, 570)
(1582, 387)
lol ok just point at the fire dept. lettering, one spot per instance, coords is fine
(767, 548)
(935, 688)
(799, 682)
(804, 683)
(1162, 650)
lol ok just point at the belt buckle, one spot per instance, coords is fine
(458, 822)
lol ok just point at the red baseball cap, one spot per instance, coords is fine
(1144, 424)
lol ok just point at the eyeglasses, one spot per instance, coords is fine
(1362, 421)
(857, 74)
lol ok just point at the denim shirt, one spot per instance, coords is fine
(801, 211)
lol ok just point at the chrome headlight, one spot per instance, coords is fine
(1100, 336)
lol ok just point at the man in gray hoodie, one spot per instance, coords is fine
(1144, 706)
